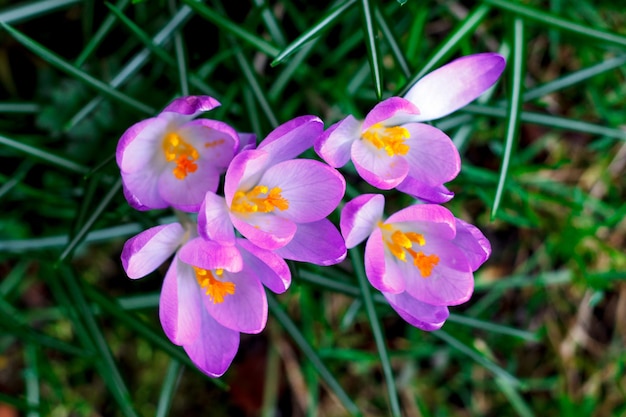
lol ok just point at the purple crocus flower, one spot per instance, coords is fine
(277, 202)
(173, 160)
(421, 258)
(391, 148)
(211, 292)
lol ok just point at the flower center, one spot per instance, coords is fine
(260, 199)
(177, 150)
(401, 243)
(391, 139)
(215, 289)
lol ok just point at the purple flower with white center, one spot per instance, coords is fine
(421, 258)
(277, 202)
(391, 148)
(173, 160)
(211, 292)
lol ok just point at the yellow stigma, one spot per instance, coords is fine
(260, 199)
(215, 289)
(391, 139)
(401, 243)
(185, 155)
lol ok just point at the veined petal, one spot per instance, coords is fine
(427, 219)
(360, 216)
(139, 146)
(421, 315)
(214, 221)
(144, 253)
(433, 159)
(214, 350)
(376, 263)
(215, 141)
(317, 242)
(244, 311)
(378, 168)
(393, 111)
(472, 241)
(334, 145)
(313, 189)
(454, 85)
(191, 106)
(141, 189)
(430, 194)
(180, 306)
(211, 255)
(188, 193)
(265, 230)
(271, 269)
(244, 172)
(292, 138)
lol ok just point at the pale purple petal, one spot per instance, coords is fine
(211, 255)
(141, 190)
(214, 221)
(313, 189)
(433, 159)
(376, 266)
(454, 85)
(318, 243)
(246, 141)
(393, 111)
(378, 168)
(471, 240)
(188, 193)
(360, 216)
(145, 252)
(215, 141)
(271, 269)
(140, 144)
(292, 138)
(213, 351)
(265, 230)
(180, 305)
(191, 106)
(244, 311)
(427, 219)
(429, 194)
(334, 145)
(244, 172)
(421, 315)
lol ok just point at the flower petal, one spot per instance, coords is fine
(421, 315)
(139, 145)
(317, 242)
(471, 240)
(144, 253)
(141, 190)
(215, 141)
(376, 266)
(378, 168)
(427, 219)
(267, 231)
(429, 194)
(215, 349)
(187, 194)
(191, 105)
(244, 311)
(244, 172)
(454, 85)
(211, 255)
(271, 269)
(214, 221)
(334, 145)
(246, 141)
(292, 138)
(393, 111)
(180, 306)
(360, 216)
(313, 189)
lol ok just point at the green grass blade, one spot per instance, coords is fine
(390, 37)
(515, 105)
(371, 42)
(271, 24)
(181, 60)
(379, 337)
(323, 24)
(8, 107)
(554, 21)
(31, 380)
(63, 65)
(33, 9)
(223, 23)
(168, 389)
(311, 355)
(43, 155)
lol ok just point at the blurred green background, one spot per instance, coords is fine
(543, 167)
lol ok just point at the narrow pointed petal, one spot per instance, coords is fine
(360, 216)
(376, 167)
(472, 241)
(265, 230)
(211, 255)
(180, 305)
(454, 85)
(244, 311)
(292, 138)
(376, 266)
(215, 349)
(335, 144)
(421, 315)
(271, 268)
(313, 189)
(214, 221)
(317, 242)
(191, 105)
(188, 193)
(393, 111)
(145, 252)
